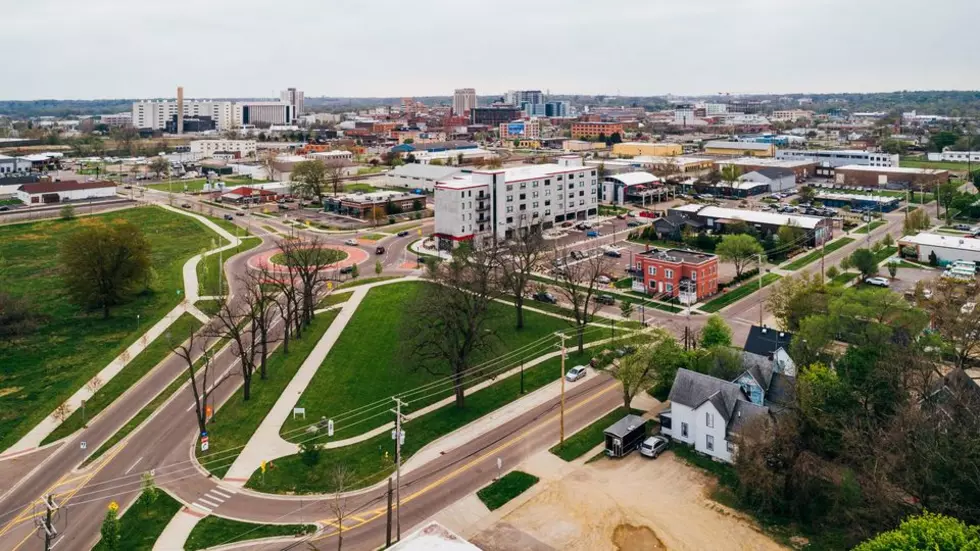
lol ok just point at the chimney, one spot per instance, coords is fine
(180, 109)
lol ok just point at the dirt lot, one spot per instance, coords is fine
(627, 505)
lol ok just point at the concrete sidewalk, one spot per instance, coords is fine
(175, 535)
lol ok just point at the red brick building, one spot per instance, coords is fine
(669, 272)
(593, 129)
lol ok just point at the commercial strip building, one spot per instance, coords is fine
(67, 190)
(652, 149)
(894, 177)
(687, 275)
(839, 157)
(207, 148)
(485, 205)
(468, 155)
(877, 203)
(802, 168)
(684, 164)
(947, 248)
(418, 176)
(595, 129)
(362, 205)
(618, 189)
(818, 229)
(739, 149)
(248, 195)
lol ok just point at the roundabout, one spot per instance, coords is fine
(337, 256)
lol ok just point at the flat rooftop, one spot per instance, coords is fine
(678, 255)
(375, 196)
(962, 243)
(753, 216)
(856, 196)
(892, 169)
(767, 162)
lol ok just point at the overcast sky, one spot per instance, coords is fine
(250, 48)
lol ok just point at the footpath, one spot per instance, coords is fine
(35, 436)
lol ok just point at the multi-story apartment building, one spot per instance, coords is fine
(687, 275)
(840, 157)
(244, 148)
(517, 97)
(464, 99)
(486, 205)
(154, 115)
(293, 97)
(594, 129)
(117, 119)
(530, 129)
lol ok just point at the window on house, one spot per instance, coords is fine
(694, 276)
(670, 287)
(684, 430)
(709, 420)
(709, 442)
(669, 274)
(729, 446)
(652, 270)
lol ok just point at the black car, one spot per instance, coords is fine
(545, 297)
(605, 299)
(239, 213)
(347, 269)
(185, 206)
(634, 223)
(229, 217)
(403, 233)
(379, 250)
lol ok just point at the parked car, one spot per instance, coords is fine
(4, 208)
(604, 280)
(612, 252)
(403, 233)
(877, 281)
(634, 223)
(379, 250)
(654, 446)
(239, 213)
(347, 269)
(577, 255)
(567, 224)
(351, 242)
(962, 227)
(185, 206)
(608, 300)
(593, 233)
(575, 373)
(545, 297)
(621, 216)
(229, 217)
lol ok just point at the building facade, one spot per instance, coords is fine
(10, 166)
(260, 112)
(367, 205)
(520, 129)
(739, 149)
(154, 115)
(956, 156)
(293, 97)
(464, 99)
(68, 190)
(790, 115)
(634, 149)
(840, 157)
(687, 275)
(493, 204)
(494, 115)
(595, 129)
(207, 148)
(894, 177)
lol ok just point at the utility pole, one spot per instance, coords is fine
(908, 203)
(823, 253)
(388, 528)
(47, 524)
(562, 414)
(760, 289)
(399, 437)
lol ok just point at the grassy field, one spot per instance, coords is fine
(365, 280)
(209, 269)
(143, 523)
(921, 162)
(372, 460)
(214, 531)
(371, 237)
(591, 436)
(359, 186)
(155, 353)
(9, 202)
(884, 253)
(368, 364)
(737, 294)
(636, 298)
(323, 256)
(209, 307)
(509, 486)
(870, 227)
(816, 254)
(178, 186)
(43, 369)
(236, 420)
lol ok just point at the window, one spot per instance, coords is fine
(547, 182)
(534, 184)
(510, 188)
(652, 270)
(581, 193)
(547, 203)
(510, 219)
(523, 185)
(547, 212)
(729, 446)
(709, 442)
(510, 198)
(523, 207)
(581, 202)
(709, 420)
(694, 276)
(510, 209)
(523, 196)
(669, 274)
(534, 194)
(684, 430)
(534, 205)
(547, 192)
(670, 287)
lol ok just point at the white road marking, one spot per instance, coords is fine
(201, 507)
(134, 465)
(222, 492)
(208, 503)
(214, 498)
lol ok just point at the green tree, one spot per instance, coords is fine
(715, 332)
(739, 249)
(354, 271)
(894, 147)
(864, 261)
(378, 267)
(926, 532)
(790, 237)
(892, 269)
(807, 194)
(626, 308)
(111, 533)
(942, 139)
(639, 371)
(888, 240)
(832, 272)
(67, 212)
(615, 138)
(159, 166)
(730, 174)
(102, 264)
(309, 180)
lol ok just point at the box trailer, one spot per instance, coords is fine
(625, 435)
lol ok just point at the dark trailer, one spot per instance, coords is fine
(625, 435)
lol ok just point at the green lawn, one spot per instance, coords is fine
(143, 523)
(178, 186)
(589, 437)
(884, 253)
(870, 227)
(155, 353)
(844, 278)
(816, 254)
(371, 461)
(738, 293)
(214, 531)
(921, 162)
(334, 299)
(508, 487)
(359, 186)
(912, 265)
(236, 420)
(369, 170)
(368, 364)
(323, 256)
(9, 202)
(372, 236)
(209, 307)
(226, 225)
(209, 269)
(43, 369)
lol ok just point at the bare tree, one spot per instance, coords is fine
(268, 162)
(335, 175)
(198, 372)
(232, 323)
(259, 305)
(518, 264)
(579, 284)
(286, 300)
(309, 258)
(342, 479)
(953, 317)
(450, 316)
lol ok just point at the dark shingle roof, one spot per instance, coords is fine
(763, 341)
(692, 389)
(745, 412)
(782, 390)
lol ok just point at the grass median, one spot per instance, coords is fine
(738, 293)
(334, 299)
(815, 255)
(509, 486)
(153, 354)
(844, 278)
(236, 421)
(372, 460)
(143, 522)
(72, 344)
(209, 269)
(589, 437)
(365, 280)
(214, 531)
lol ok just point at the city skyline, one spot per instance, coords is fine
(757, 46)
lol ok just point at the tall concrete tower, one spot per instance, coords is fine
(180, 109)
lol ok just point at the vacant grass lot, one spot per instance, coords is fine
(43, 369)
(214, 531)
(815, 255)
(372, 460)
(940, 165)
(511, 485)
(143, 523)
(591, 436)
(368, 363)
(738, 293)
(236, 420)
(178, 186)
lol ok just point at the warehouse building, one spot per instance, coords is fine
(68, 190)
(891, 177)
(643, 148)
(947, 248)
(877, 203)
(416, 176)
(819, 230)
(740, 149)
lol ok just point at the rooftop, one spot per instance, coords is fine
(625, 425)
(753, 216)
(680, 160)
(893, 169)
(857, 197)
(416, 170)
(634, 178)
(739, 145)
(375, 196)
(763, 341)
(67, 185)
(678, 255)
(948, 241)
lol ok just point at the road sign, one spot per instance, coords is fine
(204, 442)
(84, 445)
(299, 411)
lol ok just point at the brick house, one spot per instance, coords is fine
(687, 275)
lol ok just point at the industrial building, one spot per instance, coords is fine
(774, 178)
(634, 149)
(684, 164)
(839, 157)
(418, 176)
(892, 177)
(818, 230)
(947, 248)
(879, 203)
(68, 190)
(739, 149)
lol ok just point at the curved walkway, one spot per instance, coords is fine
(33, 439)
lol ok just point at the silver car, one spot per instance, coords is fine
(653, 446)
(575, 373)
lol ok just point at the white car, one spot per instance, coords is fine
(575, 373)
(877, 281)
(653, 446)
(604, 280)
(351, 242)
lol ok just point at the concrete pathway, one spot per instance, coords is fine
(41, 431)
(175, 535)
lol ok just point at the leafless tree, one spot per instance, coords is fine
(268, 162)
(952, 317)
(450, 316)
(579, 284)
(309, 258)
(287, 301)
(233, 323)
(335, 175)
(260, 306)
(342, 479)
(198, 372)
(518, 263)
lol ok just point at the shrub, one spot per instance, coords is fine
(310, 453)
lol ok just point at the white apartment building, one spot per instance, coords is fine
(485, 205)
(956, 156)
(155, 114)
(839, 157)
(117, 119)
(293, 97)
(713, 109)
(207, 148)
(464, 99)
(791, 115)
(337, 155)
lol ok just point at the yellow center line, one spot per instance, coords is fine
(378, 512)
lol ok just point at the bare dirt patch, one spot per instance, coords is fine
(627, 537)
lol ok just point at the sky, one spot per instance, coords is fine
(88, 49)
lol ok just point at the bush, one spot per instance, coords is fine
(309, 452)
(67, 212)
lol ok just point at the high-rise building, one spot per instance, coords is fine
(272, 112)
(556, 109)
(293, 97)
(464, 99)
(517, 97)
(494, 115)
(154, 115)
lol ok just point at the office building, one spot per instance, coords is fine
(117, 119)
(464, 99)
(688, 275)
(791, 115)
(517, 97)
(365, 205)
(840, 157)
(261, 112)
(207, 148)
(293, 97)
(494, 114)
(556, 109)
(179, 125)
(486, 205)
(154, 115)
(595, 130)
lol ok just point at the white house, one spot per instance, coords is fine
(70, 190)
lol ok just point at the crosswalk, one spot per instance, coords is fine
(213, 499)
